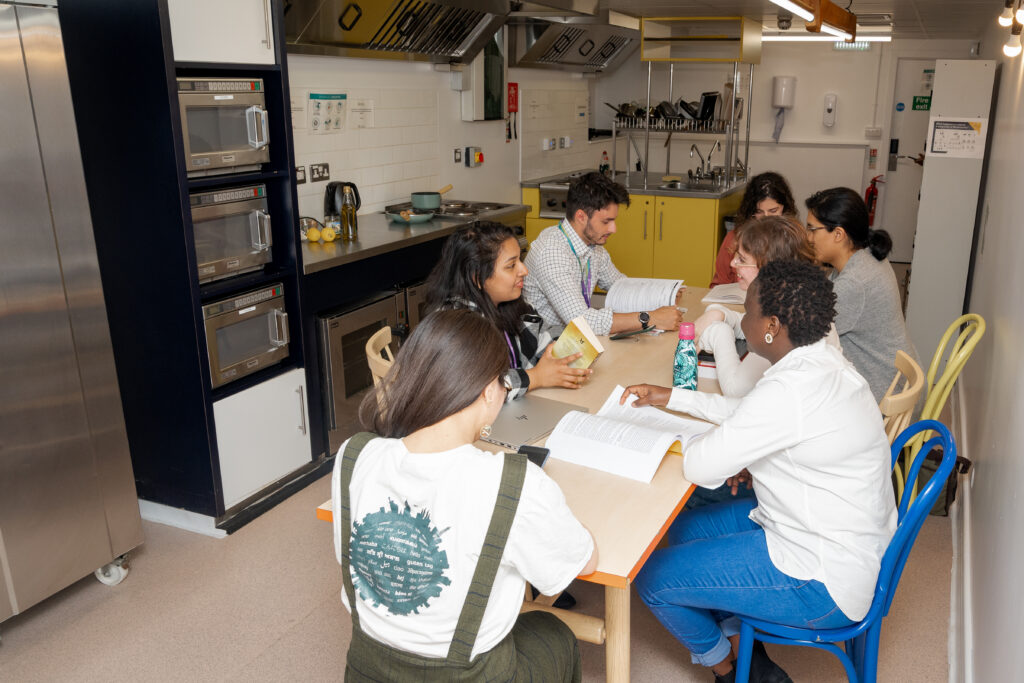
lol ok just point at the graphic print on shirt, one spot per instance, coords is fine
(397, 559)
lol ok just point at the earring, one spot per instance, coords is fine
(768, 338)
(485, 431)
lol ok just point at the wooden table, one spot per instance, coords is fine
(627, 518)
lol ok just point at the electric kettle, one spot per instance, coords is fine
(333, 196)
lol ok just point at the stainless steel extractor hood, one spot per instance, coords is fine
(572, 43)
(445, 31)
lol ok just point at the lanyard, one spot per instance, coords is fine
(512, 356)
(585, 285)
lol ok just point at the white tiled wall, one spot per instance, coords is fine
(554, 113)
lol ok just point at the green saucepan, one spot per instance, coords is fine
(428, 201)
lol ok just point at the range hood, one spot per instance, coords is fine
(443, 31)
(572, 43)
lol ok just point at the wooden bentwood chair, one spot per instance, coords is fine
(378, 353)
(897, 405)
(859, 654)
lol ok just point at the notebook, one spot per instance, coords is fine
(527, 419)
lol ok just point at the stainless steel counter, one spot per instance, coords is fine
(635, 185)
(379, 235)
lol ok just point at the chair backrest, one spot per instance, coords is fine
(897, 405)
(938, 389)
(911, 510)
(378, 353)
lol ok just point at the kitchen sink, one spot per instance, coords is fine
(693, 185)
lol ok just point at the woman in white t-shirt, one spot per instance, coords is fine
(807, 551)
(410, 524)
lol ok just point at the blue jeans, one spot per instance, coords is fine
(717, 566)
(702, 496)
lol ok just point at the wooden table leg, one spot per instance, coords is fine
(616, 622)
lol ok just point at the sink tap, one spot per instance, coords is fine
(703, 162)
(718, 146)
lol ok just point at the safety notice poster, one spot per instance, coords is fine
(957, 137)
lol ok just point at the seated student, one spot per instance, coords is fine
(480, 269)
(869, 316)
(767, 194)
(806, 552)
(567, 260)
(437, 538)
(759, 241)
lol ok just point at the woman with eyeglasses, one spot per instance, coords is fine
(767, 194)
(869, 314)
(806, 552)
(438, 538)
(481, 269)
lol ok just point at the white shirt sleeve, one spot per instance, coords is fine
(547, 545)
(736, 377)
(732, 318)
(766, 421)
(710, 407)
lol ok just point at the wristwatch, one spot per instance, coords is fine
(645, 319)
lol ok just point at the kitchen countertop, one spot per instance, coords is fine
(635, 186)
(380, 235)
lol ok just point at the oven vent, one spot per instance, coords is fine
(607, 51)
(425, 28)
(562, 43)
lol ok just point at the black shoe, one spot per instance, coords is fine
(727, 678)
(563, 601)
(763, 669)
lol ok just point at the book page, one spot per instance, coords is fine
(685, 429)
(633, 294)
(725, 294)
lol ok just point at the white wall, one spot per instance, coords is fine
(418, 124)
(995, 396)
(810, 155)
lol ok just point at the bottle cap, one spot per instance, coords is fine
(687, 331)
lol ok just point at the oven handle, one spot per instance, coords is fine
(259, 230)
(256, 123)
(302, 409)
(279, 328)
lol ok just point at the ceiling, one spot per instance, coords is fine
(911, 18)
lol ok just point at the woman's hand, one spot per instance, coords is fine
(646, 395)
(706, 318)
(734, 482)
(555, 372)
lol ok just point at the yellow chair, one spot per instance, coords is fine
(971, 328)
(897, 405)
(378, 353)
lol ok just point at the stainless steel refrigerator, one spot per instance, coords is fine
(67, 493)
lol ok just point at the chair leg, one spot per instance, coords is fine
(869, 656)
(745, 653)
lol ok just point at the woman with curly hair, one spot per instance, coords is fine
(767, 194)
(806, 552)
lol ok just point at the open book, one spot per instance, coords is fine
(623, 440)
(633, 294)
(578, 337)
(725, 294)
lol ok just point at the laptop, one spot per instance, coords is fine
(527, 419)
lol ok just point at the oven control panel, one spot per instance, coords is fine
(226, 196)
(219, 85)
(243, 301)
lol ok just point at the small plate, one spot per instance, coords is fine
(413, 217)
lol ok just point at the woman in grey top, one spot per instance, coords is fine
(869, 317)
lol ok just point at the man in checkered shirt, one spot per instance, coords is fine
(568, 260)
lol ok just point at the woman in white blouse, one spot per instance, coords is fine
(807, 550)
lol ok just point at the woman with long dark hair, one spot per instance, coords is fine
(437, 538)
(869, 315)
(481, 269)
(767, 194)
(807, 550)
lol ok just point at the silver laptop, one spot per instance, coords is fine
(527, 419)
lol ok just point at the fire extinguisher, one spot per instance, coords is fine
(871, 198)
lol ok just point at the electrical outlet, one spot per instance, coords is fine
(873, 132)
(545, 144)
(561, 142)
(300, 175)
(458, 155)
(319, 172)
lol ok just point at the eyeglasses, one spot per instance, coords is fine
(744, 265)
(810, 229)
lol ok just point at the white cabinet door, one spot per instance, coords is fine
(262, 434)
(230, 31)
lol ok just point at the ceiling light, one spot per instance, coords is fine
(1012, 47)
(805, 38)
(1006, 18)
(842, 35)
(1020, 13)
(796, 9)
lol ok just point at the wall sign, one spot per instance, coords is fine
(922, 102)
(957, 137)
(900, 106)
(327, 112)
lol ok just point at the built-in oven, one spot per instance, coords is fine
(231, 228)
(224, 124)
(343, 336)
(415, 304)
(246, 333)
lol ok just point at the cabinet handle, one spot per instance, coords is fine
(267, 22)
(661, 223)
(302, 409)
(645, 223)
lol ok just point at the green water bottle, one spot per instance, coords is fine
(684, 369)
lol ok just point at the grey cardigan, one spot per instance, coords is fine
(869, 319)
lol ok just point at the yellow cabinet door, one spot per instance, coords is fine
(685, 235)
(534, 226)
(632, 244)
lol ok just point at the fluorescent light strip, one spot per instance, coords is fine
(795, 9)
(825, 28)
(822, 39)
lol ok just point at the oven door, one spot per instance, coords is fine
(416, 304)
(223, 130)
(232, 237)
(246, 339)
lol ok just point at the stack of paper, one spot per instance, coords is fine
(726, 294)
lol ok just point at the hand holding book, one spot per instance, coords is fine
(551, 371)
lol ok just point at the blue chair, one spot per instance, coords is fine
(860, 656)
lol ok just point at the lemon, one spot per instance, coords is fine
(328, 234)
(313, 235)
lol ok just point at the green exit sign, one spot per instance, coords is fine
(922, 102)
